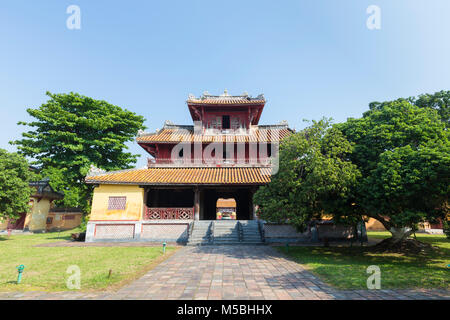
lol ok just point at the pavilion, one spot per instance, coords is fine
(225, 154)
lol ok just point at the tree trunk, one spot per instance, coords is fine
(400, 234)
(399, 242)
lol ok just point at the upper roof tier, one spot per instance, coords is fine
(225, 98)
(243, 107)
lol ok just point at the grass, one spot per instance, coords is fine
(345, 267)
(45, 267)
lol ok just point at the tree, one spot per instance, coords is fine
(14, 184)
(439, 101)
(314, 177)
(70, 133)
(402, 151)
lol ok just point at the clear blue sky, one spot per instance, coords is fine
(310, 58)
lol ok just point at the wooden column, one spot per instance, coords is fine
(145, 203)
(196, 204)
(253, 206)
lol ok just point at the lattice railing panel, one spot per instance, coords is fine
(169, 213)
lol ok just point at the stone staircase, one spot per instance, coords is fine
(201, 233)
(226, 232)
(212, 232)
(250, 232)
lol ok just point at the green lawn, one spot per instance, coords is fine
(345, 267)
(45, 267)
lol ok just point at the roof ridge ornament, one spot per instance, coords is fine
(94, 171)
(168, 123)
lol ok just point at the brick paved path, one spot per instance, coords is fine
(231, 272)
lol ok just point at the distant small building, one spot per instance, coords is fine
(424, 227)
(42, 216)
(63, 219)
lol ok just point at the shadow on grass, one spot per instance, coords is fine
(67, 237)
(3, 238)
(340, 255)
(346, 267)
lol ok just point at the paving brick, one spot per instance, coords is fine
(231, 272)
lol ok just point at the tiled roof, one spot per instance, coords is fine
(226, 203)
(225, 98)
(182, 176)
(43, 189)
(264, 134)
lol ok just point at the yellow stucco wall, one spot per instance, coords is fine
(134, 205)
(36, 220)
(59, 220)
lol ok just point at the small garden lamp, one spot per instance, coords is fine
(20, 271)
(164, 247)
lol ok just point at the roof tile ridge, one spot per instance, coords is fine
(92, 174)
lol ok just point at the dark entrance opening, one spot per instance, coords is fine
(170, 198)
(241, 196)
(18, 223)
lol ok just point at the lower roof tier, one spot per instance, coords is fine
(185, 176)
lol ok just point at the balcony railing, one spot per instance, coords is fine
(168, 213)
(209, 162)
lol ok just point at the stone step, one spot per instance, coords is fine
(201, 233)
(225, 233)
(226, 236)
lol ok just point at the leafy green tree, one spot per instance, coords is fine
(14, 184)
(402, 151)
(74, 193)
(70, 133)
(314, 177)
(439, 101)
